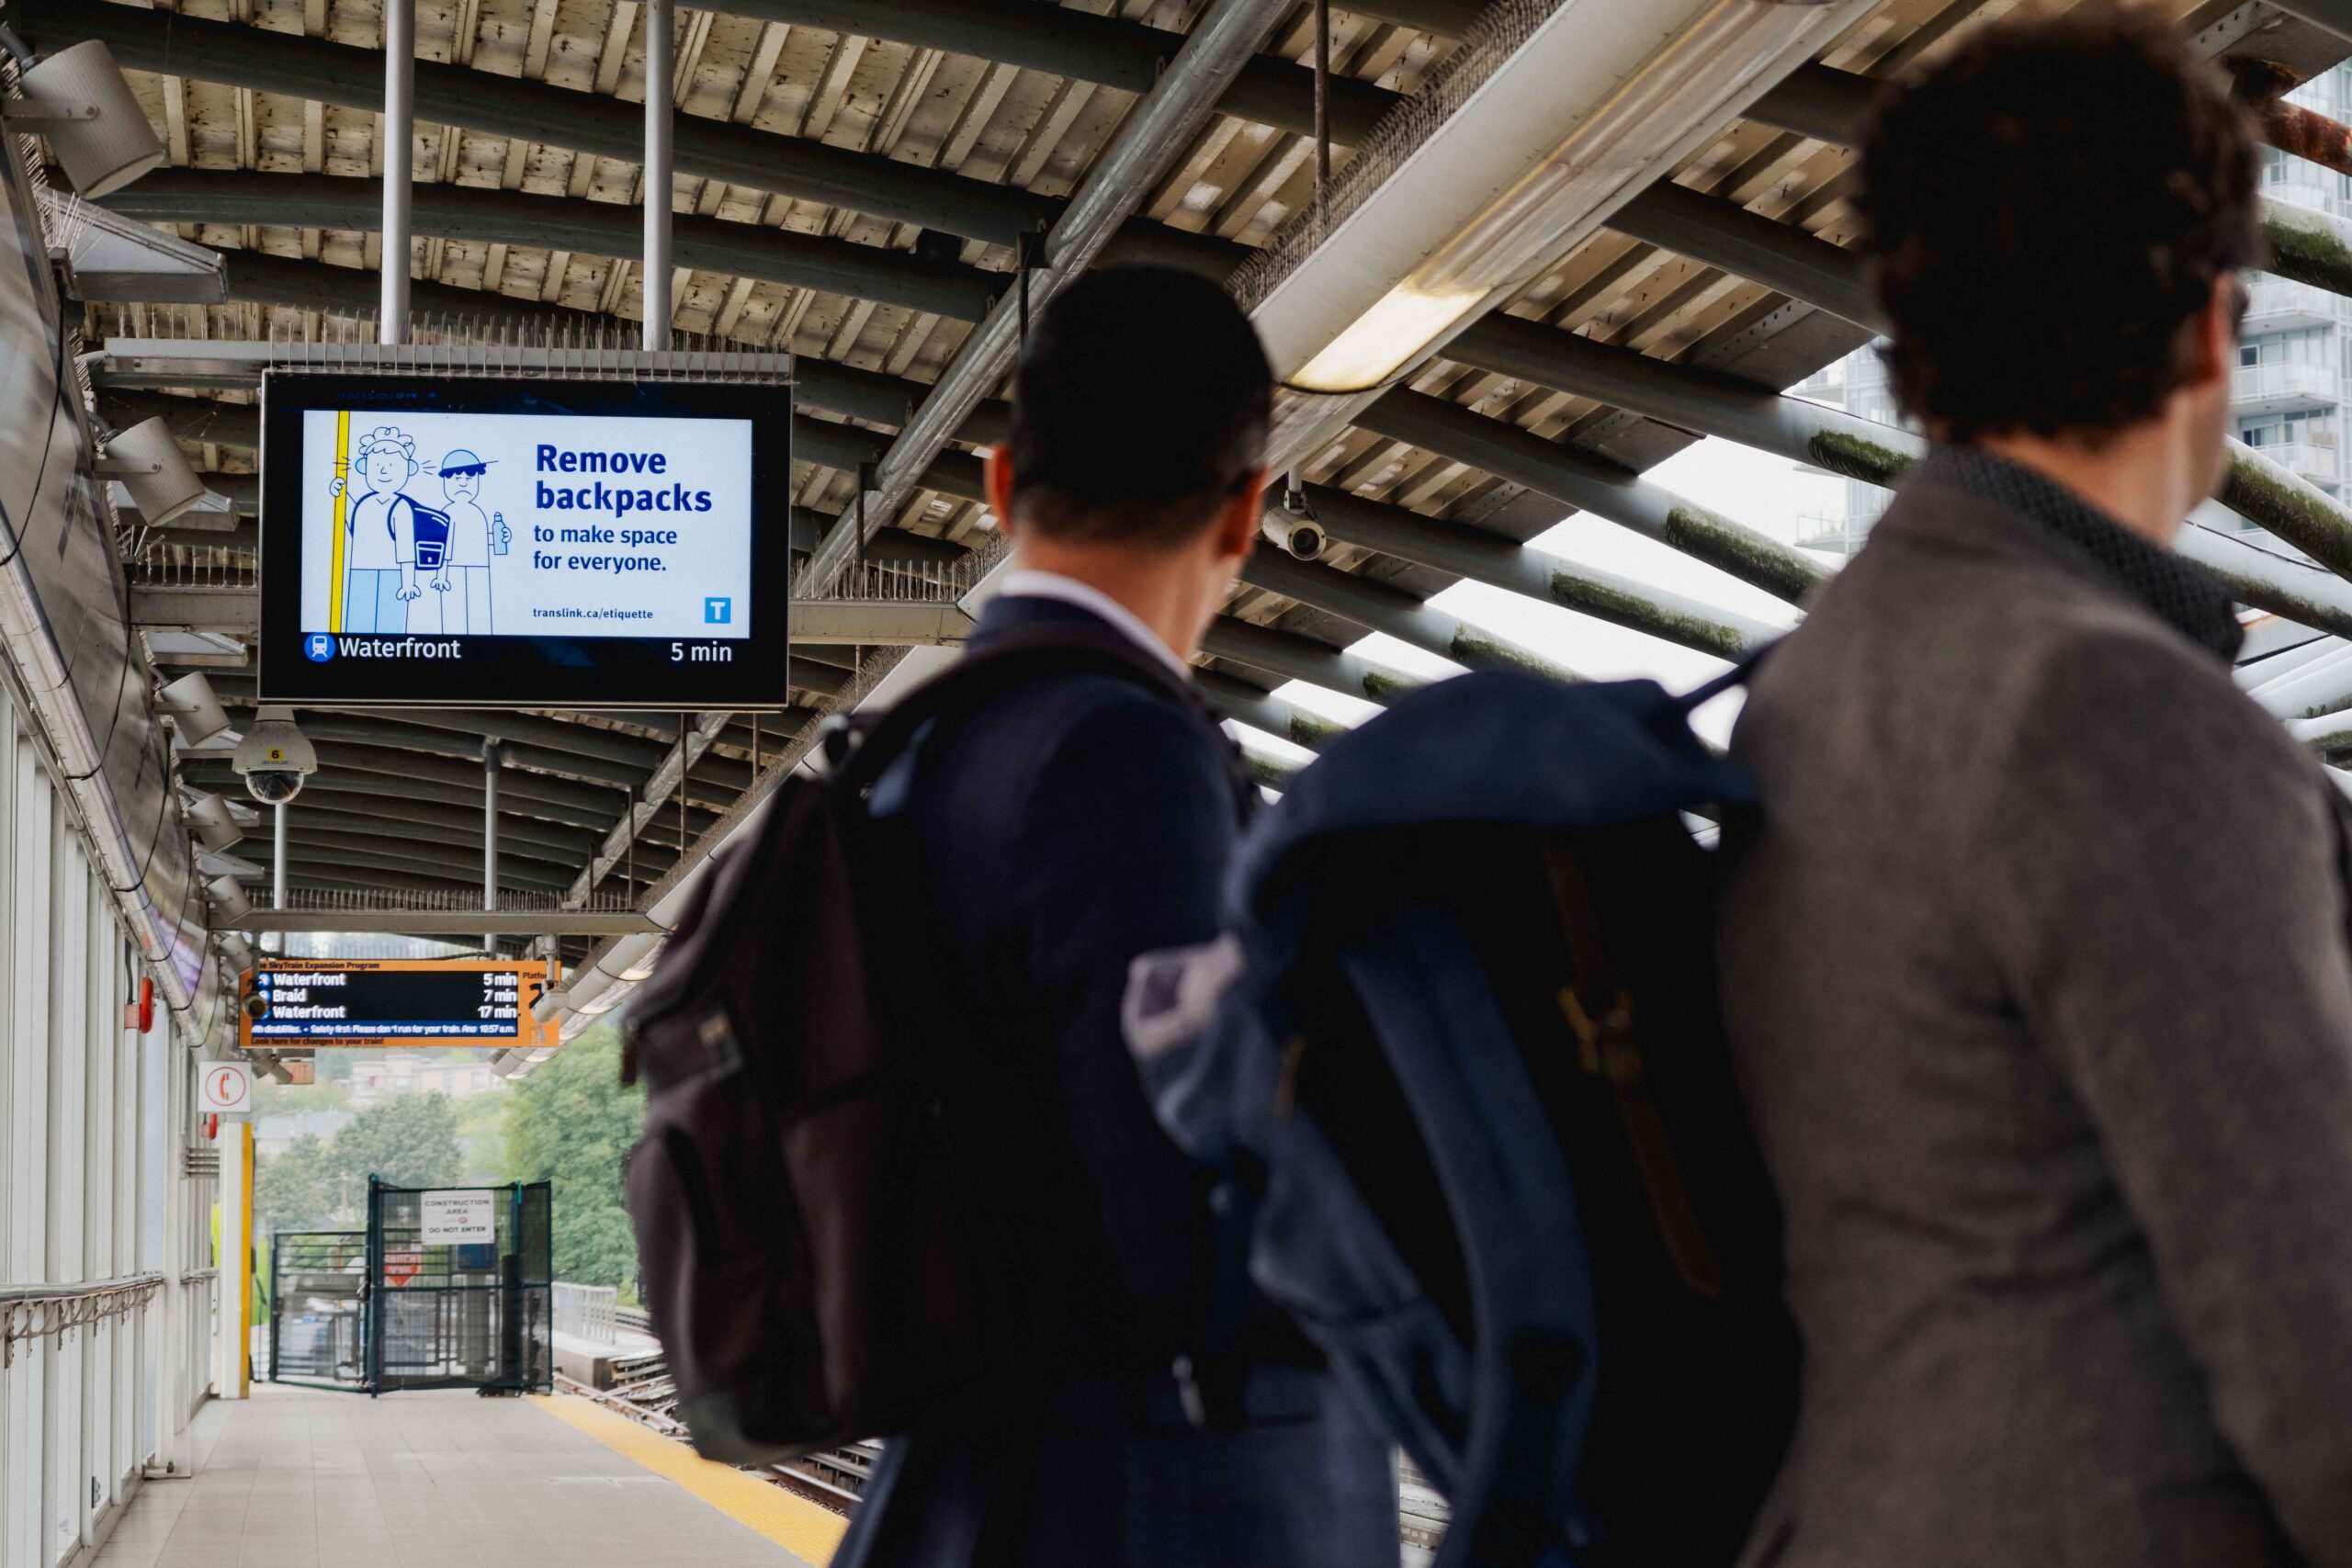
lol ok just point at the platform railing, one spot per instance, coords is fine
(32, 1312)
(585, 1313)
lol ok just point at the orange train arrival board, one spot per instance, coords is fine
(428, 1003)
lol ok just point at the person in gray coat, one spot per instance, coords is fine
(2035, 957)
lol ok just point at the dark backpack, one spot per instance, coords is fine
(808, 1193)
(1460, 1038)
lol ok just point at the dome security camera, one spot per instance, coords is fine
(275, 757)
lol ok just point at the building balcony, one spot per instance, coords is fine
(2277, 304)
(1841, 532)
(2304, 458)
(2304, 184)
(2283, 385)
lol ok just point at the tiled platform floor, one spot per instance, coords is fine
(297, 1478)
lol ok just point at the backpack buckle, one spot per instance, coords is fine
(1605, 1045)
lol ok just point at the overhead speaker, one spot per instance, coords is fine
(79, 100)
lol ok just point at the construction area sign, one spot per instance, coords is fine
(425, 1003)
(465, 1217)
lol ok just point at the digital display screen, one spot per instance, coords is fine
(542, 542)
(418, 1002)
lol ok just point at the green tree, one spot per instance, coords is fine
(481, 1136)
(295, 1189)
(410, 1140)
(569, 1123)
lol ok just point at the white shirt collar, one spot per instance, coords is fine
(1033, 585)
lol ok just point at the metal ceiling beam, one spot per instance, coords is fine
(373, 856)
(530, 743)
(561, 223)
(432, 740)
(1706, 402)
(567, 845)
(1447, 19)
(172, 363)
(1295, 658)
(339, 775)
(527, 789)
(2335, 16)
(442, 923)
(1594, 485)
(1724, 234)
(1113, 52)
(1816, 101)
(1484, 556)
(673, 776)
(1225, 37)
(191, 418)
(314, 827)
(238, 55)
(1379, 607)
(1262, 710)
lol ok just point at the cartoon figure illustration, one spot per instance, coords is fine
(473, 534)
(389, 537)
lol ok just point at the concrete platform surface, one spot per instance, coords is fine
(299, 1478)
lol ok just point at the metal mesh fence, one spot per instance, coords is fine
(317, 1299)
(460, 1314)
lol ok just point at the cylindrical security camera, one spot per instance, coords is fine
(1300, 536)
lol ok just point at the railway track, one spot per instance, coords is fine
(643, 1390)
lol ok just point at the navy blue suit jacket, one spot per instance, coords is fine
(1072, 823)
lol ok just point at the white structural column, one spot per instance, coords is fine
(400, 140)
(659, 41)
(236, 1246)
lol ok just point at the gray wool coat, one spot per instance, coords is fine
(2037, 969)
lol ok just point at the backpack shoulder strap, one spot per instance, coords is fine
(963, 688)
(1600, 1013)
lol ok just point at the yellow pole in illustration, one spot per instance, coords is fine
(343, 500)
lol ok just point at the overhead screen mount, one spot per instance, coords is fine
(454, 541)
(420, 1003)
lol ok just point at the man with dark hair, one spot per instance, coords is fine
(1070, 823)
(2036, 957)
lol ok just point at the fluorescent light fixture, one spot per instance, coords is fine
(643, 968)
(1378, 343)
(1603, 98)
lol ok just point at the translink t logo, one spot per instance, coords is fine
(318, 647)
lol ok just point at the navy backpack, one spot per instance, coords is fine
(1456, 1062)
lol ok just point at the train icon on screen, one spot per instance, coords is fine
(318, 647)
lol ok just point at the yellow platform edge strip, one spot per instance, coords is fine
(800, 1527)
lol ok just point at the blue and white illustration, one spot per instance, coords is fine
(424, 528)
(381, 533)
(474, 535)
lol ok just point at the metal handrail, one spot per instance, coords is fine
(35, 1311)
